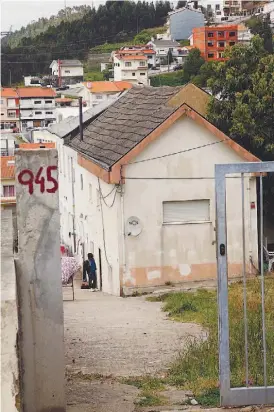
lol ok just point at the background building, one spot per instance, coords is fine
(9, 109)
(37, 106)
(130, 66)
(182, 21)
(212, 41)
(67, 71)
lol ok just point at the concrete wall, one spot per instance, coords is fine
(9, 319)
(182, 23)
(183, 252)
(38, 270)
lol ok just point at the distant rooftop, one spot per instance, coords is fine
(68, 63)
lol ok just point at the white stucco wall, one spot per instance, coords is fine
(183, 252)
(88, 214)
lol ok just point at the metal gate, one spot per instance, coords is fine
(248, 394)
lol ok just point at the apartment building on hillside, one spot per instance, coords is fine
(212, 41)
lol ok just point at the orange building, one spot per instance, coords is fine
(212, 41)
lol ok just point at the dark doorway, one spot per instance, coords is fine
(100, 268)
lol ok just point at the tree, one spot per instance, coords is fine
(262, 27)
(243, 109)
(193, 63)
(181, 4)
(169, 56)
(142, 38)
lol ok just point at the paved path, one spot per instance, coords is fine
(109, 335)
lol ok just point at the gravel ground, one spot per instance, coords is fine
(109, 335)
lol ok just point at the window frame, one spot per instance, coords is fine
(187, 222)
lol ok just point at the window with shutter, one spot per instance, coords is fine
(186, 211)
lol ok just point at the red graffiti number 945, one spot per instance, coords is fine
(26, 177)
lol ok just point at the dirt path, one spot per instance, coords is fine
(109, 335)
(121, 337)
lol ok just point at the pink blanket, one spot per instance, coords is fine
(70, 267)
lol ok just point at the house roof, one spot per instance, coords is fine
(68, 125)
(182, 9)
(7, 167)
(8, 92)
(131, 57)
(165, 43)
(139, 117)
(148, 51)
(125, 123)
(107, 87)
(66, 63)
(36, 92)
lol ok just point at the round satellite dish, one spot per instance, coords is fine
(133, 226)
(89, 85)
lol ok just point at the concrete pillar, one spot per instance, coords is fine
(9, 319)
(38, 270)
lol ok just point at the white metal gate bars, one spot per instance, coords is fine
(246, 395)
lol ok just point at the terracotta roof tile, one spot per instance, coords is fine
(132, 57)
(107, 87)
(8, 92)
(7, 167)
(36, 92)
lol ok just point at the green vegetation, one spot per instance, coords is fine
(197, 367)
(150, 387)
(184, 42)
(169, 79)
(145, 35)
(108, 47)
(113, 22)
(93, 76)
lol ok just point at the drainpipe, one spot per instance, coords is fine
(122, 231)
(73, 205)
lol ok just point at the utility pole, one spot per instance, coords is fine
(10, 76)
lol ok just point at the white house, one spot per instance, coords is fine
(99, 92)
(67, 71)
(162, 47)
(142, 182)
(32, 81)
(131, 67)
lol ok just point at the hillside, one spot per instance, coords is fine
(41, 25)
(114, 22)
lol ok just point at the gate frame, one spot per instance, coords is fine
(242, 395)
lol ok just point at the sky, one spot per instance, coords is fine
(18, 13)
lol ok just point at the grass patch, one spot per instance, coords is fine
(146, 383)
(197, 367)
(150, 387)
(148, 399)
